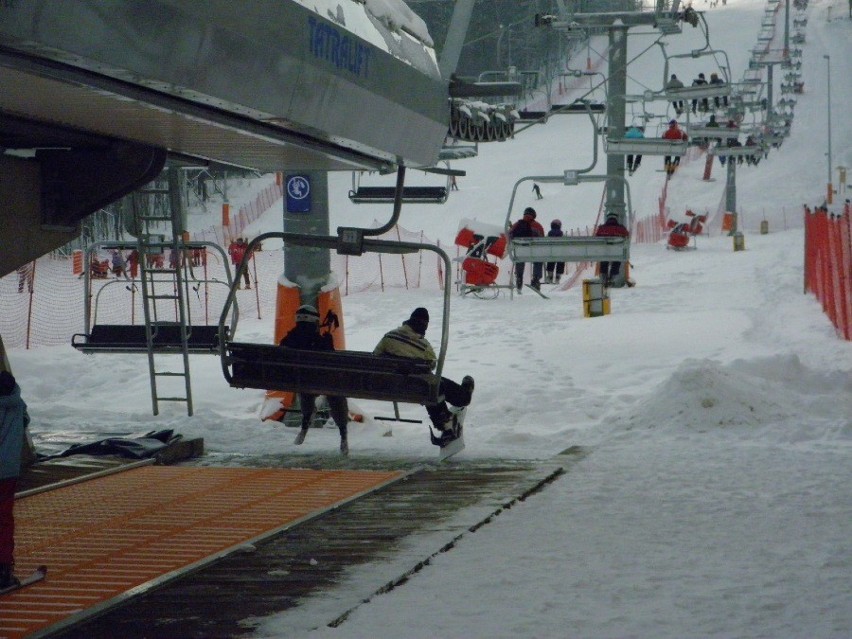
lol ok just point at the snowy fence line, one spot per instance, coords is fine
(248, 213)
(828, 264)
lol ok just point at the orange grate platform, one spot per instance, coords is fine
(111, 538)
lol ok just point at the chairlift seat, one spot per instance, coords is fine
(458, 152)
(531, 116)
(646, 146)
(122, 338)
(697, 92)
(713, 132)
(354, 374)
(410, 194)
(738, 151)
(570, 249)
(579, 107)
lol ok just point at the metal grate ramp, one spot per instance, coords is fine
(115, 537)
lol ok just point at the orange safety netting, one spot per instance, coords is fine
(43, 304)
(828, 264)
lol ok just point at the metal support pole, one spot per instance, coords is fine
(616, 121)
(769, 85)
(308, 266)
(829, 195)
(454, 42)
(786, 29)
(731, 193)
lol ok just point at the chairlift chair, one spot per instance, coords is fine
(568, 248)
(645, 146)
(166, 336)
(361, 194)
(698, 92)
(354, 374)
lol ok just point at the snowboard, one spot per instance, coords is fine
(37, 575)
(456, 445)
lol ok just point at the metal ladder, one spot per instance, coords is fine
(158, 225)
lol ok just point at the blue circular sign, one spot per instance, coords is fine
(298, 187)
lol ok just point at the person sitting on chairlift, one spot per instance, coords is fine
(673, 85)
(553, 270)
(633, 161)
(675, 134)
(409, 340)
(306, 336)
(611, 228)
(718, 101)
(704, 105)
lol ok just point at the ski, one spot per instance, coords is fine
(35, 576)
(533, 288)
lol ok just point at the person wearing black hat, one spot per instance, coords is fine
(674, 84)
(527, 227)
(13, 421)
(705, 104)
(675, 134)
(611, 228)
(553, 270)
(409, 341)
(306, 336)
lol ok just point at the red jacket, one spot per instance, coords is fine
(611, 229)
(675, 133)
(537, 228)
(236, 250)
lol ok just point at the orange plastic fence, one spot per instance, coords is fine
(103, 538)
(828, 265)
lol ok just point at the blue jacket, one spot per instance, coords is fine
(13, 420)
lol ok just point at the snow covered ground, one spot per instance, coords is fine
(715, 402)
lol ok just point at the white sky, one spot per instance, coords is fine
(714, 402)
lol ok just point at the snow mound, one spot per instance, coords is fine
(776, 399)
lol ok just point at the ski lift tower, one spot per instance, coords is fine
(666, 17)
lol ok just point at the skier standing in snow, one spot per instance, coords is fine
(527, 227)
